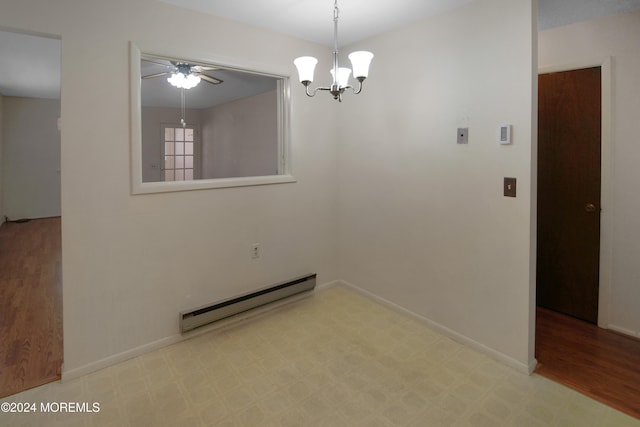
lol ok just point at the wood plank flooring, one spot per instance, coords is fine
(30, 304)
(597, 362)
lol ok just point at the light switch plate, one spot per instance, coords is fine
(510, 187)
(505, 135)
(463, 135)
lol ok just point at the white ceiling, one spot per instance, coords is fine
(313, 19)
(30, 66)
(555, 13)
(360, 19)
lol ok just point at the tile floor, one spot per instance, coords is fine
(334, 359)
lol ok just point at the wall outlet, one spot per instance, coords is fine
(255, 251)
(463, 135)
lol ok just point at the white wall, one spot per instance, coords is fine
(592, 42)
(152, 120)
(422, 220)
(31, 159)
(240, 138)
(131, 263)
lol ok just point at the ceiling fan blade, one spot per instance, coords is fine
(200, 68)
(209, 79)
(150, 76)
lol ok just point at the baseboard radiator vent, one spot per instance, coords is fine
(219, 310)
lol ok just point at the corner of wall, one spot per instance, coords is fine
(423, 221)
(533, 208)
(448, 332)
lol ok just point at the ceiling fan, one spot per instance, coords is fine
(182, 72)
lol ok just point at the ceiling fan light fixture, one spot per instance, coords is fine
(192, 81)
(181, 81)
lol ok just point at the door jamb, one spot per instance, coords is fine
(606, 180)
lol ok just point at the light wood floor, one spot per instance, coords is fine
(599, 363)
(30, 304)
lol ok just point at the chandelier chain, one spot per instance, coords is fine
(336, 16)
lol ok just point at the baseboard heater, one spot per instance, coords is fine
(219, 310)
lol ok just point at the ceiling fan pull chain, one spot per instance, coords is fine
(184, 124)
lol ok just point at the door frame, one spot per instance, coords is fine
(606, 181)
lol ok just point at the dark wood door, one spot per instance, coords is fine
(569, 124)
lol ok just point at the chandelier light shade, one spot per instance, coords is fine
(360, 62)
(306, 66)
(181, 81)
(343, 76)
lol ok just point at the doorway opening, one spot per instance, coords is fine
(569, 181)
(31, 353)
(573, 346)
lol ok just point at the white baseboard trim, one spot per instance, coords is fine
(71, 374)
(329, 285)
(68, 375)
(456, 336)
(623, 331)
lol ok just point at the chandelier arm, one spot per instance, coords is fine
(357, 91)
(312, 92)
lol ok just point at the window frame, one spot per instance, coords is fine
(284, 130)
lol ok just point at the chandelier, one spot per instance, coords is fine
(360, 61)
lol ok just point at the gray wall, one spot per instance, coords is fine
(240, 138)
(237, 139)
(31, 158)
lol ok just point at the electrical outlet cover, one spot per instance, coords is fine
(463, 135)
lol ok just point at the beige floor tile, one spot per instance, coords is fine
(433, 417)
(334, 359)
(617, 419)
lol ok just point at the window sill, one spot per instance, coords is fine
(205, 184)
